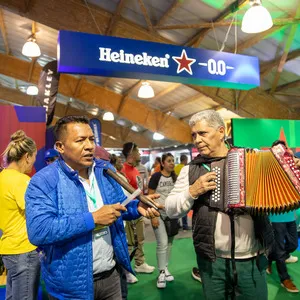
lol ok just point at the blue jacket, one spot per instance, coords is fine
(60, 224)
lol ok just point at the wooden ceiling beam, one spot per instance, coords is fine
(286, 51)
(146, 15)
(132, 88)
(189, 100)
(257, 38)
(257, 103)
(3, 32)
(287, 86)
(75, 16)
(267, 67)
(296, 95)
(276, 22)
(196, 40)
(127, 93)
(115, 17)
(105, 99)
(164, 92)
(15, 97)
(190, 115)
(167, 14)
(107, 81)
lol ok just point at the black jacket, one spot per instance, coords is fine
(205, 217)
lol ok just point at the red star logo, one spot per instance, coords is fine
(184, 63)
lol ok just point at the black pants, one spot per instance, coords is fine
(286, 242)
(108, 288)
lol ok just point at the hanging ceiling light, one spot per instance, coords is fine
(146, 91)
(108, 116)
(134, 128)
(32, 90)
(157, 136)
(31, 48)
(257, 18)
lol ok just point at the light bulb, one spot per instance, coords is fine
(157, 136)
(146, 91)
(134, 128)
(256, 19)
(108, 116)
(31, 48)
(32, 90)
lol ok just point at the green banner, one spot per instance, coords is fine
(261, 133)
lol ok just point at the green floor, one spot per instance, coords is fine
(185, 287)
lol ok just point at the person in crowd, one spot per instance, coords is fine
(51, 156)
(135, 228)
(230, 265)
(74, 214)
(116, 161)
(144, 175)
(19, 256)
(156, 166)
(162, 183)
(286, 242)
(183, 162)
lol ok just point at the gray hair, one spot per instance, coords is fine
(212, 117)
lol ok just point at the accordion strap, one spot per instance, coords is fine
(235, 276)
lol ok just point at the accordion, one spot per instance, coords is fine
(261, 181)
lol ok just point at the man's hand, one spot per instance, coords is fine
(108, 214)
(297, 162)
(155, 222)
(203, 184)
(148, 212)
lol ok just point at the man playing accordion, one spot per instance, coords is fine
(231, 244)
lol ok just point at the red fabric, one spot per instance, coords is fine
(133, 175)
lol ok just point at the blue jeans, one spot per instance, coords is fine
(185, 222)
(286, 242)
(164, 245)
(23, 275)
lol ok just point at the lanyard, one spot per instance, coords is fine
(92, 192)
(206, 167)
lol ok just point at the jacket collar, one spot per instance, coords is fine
(72, 174)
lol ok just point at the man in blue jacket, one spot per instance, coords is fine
(75, 216)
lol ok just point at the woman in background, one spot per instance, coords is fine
(156, 166)
(19, 256)
(162, 183)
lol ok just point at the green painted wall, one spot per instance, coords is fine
(261, 133)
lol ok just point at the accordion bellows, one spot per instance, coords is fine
(264, 181)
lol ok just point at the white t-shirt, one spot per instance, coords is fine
(179, 202)
(162, 185)
(103, 253)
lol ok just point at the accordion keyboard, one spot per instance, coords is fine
(233, 178)
(216, 194)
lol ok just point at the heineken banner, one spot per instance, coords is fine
(261, 133)
(91, 54)
(48, 88)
